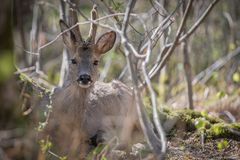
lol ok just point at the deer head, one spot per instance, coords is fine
(85, 54)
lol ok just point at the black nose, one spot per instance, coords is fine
(84, 79)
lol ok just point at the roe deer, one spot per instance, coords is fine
(84, 109)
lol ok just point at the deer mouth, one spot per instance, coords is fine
(84, 81)
(84, 85)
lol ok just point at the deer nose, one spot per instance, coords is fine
(84, 79)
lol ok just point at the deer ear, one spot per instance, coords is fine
(106, 42)
(68, 37)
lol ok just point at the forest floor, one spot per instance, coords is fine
(191, 135)
(194, 136)
(190, 147)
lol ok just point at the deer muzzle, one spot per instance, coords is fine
(84, 80)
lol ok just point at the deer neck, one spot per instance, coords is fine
(74, 100)
(77, 95)
(80, 94)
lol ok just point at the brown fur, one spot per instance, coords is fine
(82, 111)
(79, 114)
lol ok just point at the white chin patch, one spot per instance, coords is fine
(84, 85)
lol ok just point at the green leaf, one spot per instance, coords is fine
(236, 77)
(45, 145)
(221, 94)
(232, 46)
(222, 145)
(103, 158)
(41, 126)
(201, 123)
(204, 113)
(63, 158)
(118, 6)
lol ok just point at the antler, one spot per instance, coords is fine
(73, 19)
(93, 27)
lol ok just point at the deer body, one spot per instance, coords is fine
(100, 108)
(83, 108)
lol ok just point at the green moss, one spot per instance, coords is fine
(6, 65)
(223, 144)
(45, 145)
(235, 126)
(224, 130)
(217, 130)
(200, 122)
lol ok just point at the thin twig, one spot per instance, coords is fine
(81, 23)
(73, 5)
(146, 126)
(34, 34)
(204, 75)
(106, 67)
(199, 21)
(174, 45)
(34, 82)
(62, 10)
(64, 64)
(157, 66)
(29, 69)
(161, 27)
(156, 121)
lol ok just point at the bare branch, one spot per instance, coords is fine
(81, 23)
(161, 27)
(154, 102)
(34, 82)
(74, 5)
(62, 12)
(204, 76)
(173, 46)
(199, 21)
(29, 69)
(146, 126)
(64, 65)
(34, 37)
(93, 26)
(187, 66)
(112, 12)
(106, 68)
(158, 66)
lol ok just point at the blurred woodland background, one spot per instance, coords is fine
(203, 73)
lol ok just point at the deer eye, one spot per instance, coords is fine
(95, 62)
(73, 61)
